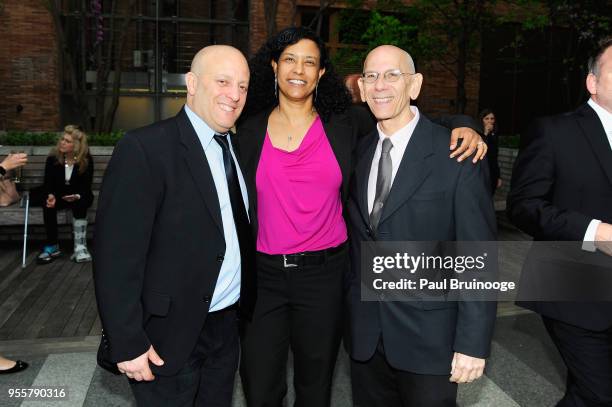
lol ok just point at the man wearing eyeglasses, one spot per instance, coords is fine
(406, 189)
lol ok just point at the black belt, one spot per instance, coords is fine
(315, 258)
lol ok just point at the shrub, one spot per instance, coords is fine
(510, 141)
(17, 138)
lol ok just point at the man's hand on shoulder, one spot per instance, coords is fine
(472, 143)
(466, 369)
(138, 369)
(603, 238)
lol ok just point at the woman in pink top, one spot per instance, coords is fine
(296, 156)
(296, 151)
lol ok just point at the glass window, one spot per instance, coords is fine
(152, 52)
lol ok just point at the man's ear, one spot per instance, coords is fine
(192, 82)
(591, 83)
(416, 81)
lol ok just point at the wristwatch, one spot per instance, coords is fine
(2, 171)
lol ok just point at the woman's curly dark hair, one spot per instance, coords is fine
(332, 95)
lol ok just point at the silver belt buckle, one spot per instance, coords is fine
(287, 264)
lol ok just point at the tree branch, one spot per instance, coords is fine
(318, 18)
(110, 114)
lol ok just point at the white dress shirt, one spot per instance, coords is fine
(606, 121)
(399, 140)
(68, 172)
(227, 289)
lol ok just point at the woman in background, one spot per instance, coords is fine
(296, 154)
(67, 185)
(489, 125)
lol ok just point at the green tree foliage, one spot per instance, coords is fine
(449, 33)
(24, 138)
(388, 29)
(578, 25)
(388, 23)
(444, 31)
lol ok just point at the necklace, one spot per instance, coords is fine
(289, 136)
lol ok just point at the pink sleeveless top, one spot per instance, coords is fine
(298, 196)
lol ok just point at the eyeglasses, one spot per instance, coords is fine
(392, 75)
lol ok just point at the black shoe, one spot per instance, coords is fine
(19, 366)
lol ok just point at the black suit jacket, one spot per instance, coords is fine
(433, 198)
(562, 179)
(159, 244)
(340, 132)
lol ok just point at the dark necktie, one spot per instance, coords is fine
(241, 220)
(383, 183)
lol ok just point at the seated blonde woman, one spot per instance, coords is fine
(67, 185)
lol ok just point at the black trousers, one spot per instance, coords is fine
(78, 208)
(588, 357)
(298, 307)
(375, 383)
(207, 379)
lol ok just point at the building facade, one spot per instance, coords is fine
(38, 81)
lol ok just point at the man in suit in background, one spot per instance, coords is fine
(174, 252)
(406, 189)
(562, 190)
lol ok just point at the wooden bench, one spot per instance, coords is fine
(12, 218)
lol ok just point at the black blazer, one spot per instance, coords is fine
(433, 198)
(340, 132)
(159, 244)
(562, 179)
(80, 183)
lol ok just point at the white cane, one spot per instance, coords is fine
(26, 196)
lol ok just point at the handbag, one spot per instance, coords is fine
(8, 192)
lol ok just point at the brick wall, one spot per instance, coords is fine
(257, 21)
(28, 67)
